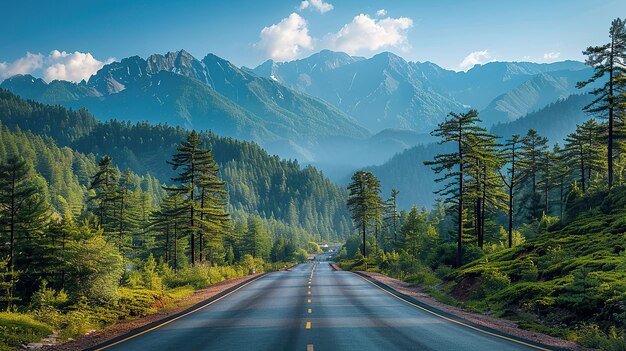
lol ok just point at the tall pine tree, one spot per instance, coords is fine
(608, 62)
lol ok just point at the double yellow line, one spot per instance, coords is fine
(454, 320)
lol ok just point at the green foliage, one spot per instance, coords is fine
(94, 269)
(47, 298)
(202, 276)
(19, 329)
(492, 281)
(364, 202)
(300, 256)
(572, 272)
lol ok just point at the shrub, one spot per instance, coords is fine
(76, 323)
(45, 297)
(300, 256)
(590, 335)
(150, 278)
(492, 280)
(17, 329)
(94, 269)
(133, 280)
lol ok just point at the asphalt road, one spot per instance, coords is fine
(340, 311)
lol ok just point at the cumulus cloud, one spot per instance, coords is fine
(475, 58)
(551, 56)
(24, 65)
(73, 67)
(287, 39)
(318, 5)
(290, 39)
(366, 34)
(60, 65)
(381, 12)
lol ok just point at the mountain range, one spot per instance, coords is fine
(333, 110)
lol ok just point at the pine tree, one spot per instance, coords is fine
(608, 59)
(213, 199)
(104, 183)
(460, 129)
(583, 149)
(257, 241)
(23, 212)
(192, 161)
(484, 188)
(561, 172)
(364, 202)
(169, 221)
(547, 181)
(511, 155)
(392, 210)
(127, 217)
(532, 148)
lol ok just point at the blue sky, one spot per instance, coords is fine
(71, 39)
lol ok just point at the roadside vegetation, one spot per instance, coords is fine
(86, 245)
(526, 228)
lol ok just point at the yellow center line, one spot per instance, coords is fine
(308, 325)
(308, 301)
(308, 293)
(309, 347)
(309, 311)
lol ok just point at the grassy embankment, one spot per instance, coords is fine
(569, 281)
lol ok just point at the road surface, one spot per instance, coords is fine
(340, 311)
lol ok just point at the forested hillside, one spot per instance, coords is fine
(406, 172)
(526, 227)
(256, 182)
(105, 221)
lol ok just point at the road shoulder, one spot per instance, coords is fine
(503, 326)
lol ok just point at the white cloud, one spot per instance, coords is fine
(365, 34)
(57, 65)
(287, 39)
(318, 5)
(381, 12)
(23, 65)
(290, 39)
(72, 66)
(475, 58)
(551, 56)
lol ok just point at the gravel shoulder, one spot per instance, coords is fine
(123, 327)
(502, 325)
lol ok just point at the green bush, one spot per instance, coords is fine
(590, 335)
(492, 281)
(138, 302)
(202, 276)
(46, 297)
(17, 329)
(76, 324)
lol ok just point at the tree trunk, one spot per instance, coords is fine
(376, 238)
(610, 144)
(363, 232)
(512, 185)
(547, 186)
(482, 210)
(395, 239)
(561, 198)
(192, 215)
(459, 248)
(582, 168)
